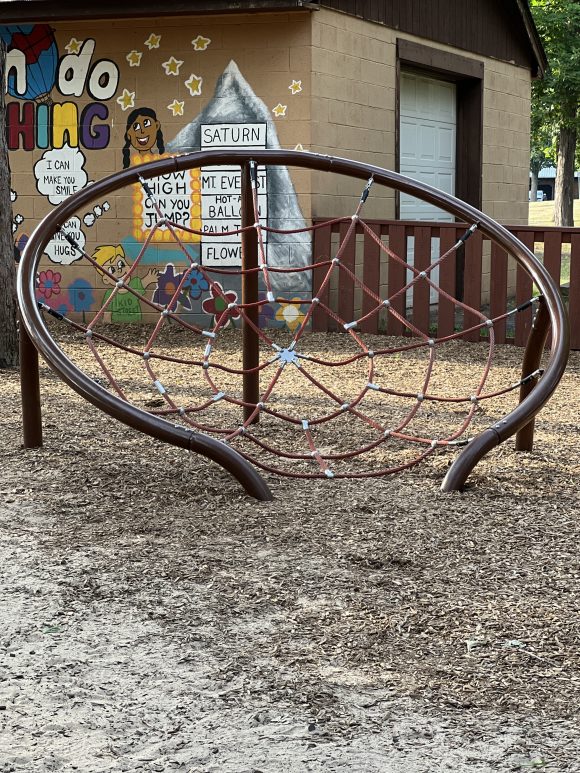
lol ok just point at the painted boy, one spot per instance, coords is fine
(124, 307)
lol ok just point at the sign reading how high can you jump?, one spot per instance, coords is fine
(221, 192)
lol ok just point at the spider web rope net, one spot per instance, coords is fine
(318, 430)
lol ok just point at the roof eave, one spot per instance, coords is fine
(534, 38)
(18, 11)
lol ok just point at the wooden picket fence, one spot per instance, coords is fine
(503, 286)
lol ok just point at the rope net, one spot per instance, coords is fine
(309, 421)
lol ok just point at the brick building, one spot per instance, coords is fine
(439, 91)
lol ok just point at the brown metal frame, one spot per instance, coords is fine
(520, 420)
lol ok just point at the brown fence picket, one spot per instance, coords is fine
(446, 307)
(321, 249)
(396, 277)
(524, 291)
(421, 288)
(498, 290)
(345, 283)
(371, 278)
(472, 284)
(574, 292)
(553, 254)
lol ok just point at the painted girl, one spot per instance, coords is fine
(142, 133)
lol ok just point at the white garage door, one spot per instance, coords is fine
(427, 140)
(428, 128)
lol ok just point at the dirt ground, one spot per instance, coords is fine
(154, 618)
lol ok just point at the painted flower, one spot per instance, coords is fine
(266, 312)
(167, 284)
(216, 305)
(291, 314)
(195, 285)
(48, 283)
(80, 294)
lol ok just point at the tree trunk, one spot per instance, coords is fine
(534, 186)
(564, 193)
(8, 331)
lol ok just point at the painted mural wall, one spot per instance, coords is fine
(85, 101)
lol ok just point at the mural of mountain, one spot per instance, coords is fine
(234, 102)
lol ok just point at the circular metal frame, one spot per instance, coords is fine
(518, 420)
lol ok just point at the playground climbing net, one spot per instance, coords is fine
(329, 405)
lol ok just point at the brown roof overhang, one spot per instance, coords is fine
(534, 38)
(18, 11)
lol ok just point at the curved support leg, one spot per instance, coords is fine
(531, 362)
(475, 450)
(235, 464)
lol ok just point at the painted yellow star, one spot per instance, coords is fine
(200, 43)
(172, 65)
(134, 58)
(193, 83)
(295, 87)
(73, 46)
(153, 41)
(127, 99)
(280, 110)
(176, 107)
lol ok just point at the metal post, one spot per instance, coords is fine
(250, 339)
(29, 390)
(530, 363)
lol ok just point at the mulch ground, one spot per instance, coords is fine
(463, 607)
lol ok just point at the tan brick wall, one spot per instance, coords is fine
(353, 114)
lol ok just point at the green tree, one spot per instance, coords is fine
(557, 97)
(8, 332)
(542, 148)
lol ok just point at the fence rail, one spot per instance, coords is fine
(499, 288)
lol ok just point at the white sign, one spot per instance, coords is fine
(221, 192)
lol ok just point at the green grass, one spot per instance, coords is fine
(542, 212)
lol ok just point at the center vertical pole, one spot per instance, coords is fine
(250, 338)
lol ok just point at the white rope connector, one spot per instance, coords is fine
(489, 322)
(270, 296)
(434, 444)
(370, 353)
(146, 355)
(387, 433)
(474, 398)
(88, 334)
(316, 300)
(305, 424)
(165, 313)
(420, 396)
(370, 385)
(208, 333)
(329, 473)
(120, 283)
(160, 388)
(257, 224)
(431, 343)
(335, 261)
(181, 411)
(354, 218)
(386, 304)
(423, 274)
(218, 396)
(345, 406)
(350, 325)
(207, 351)
(260, 405)
(232, 305)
